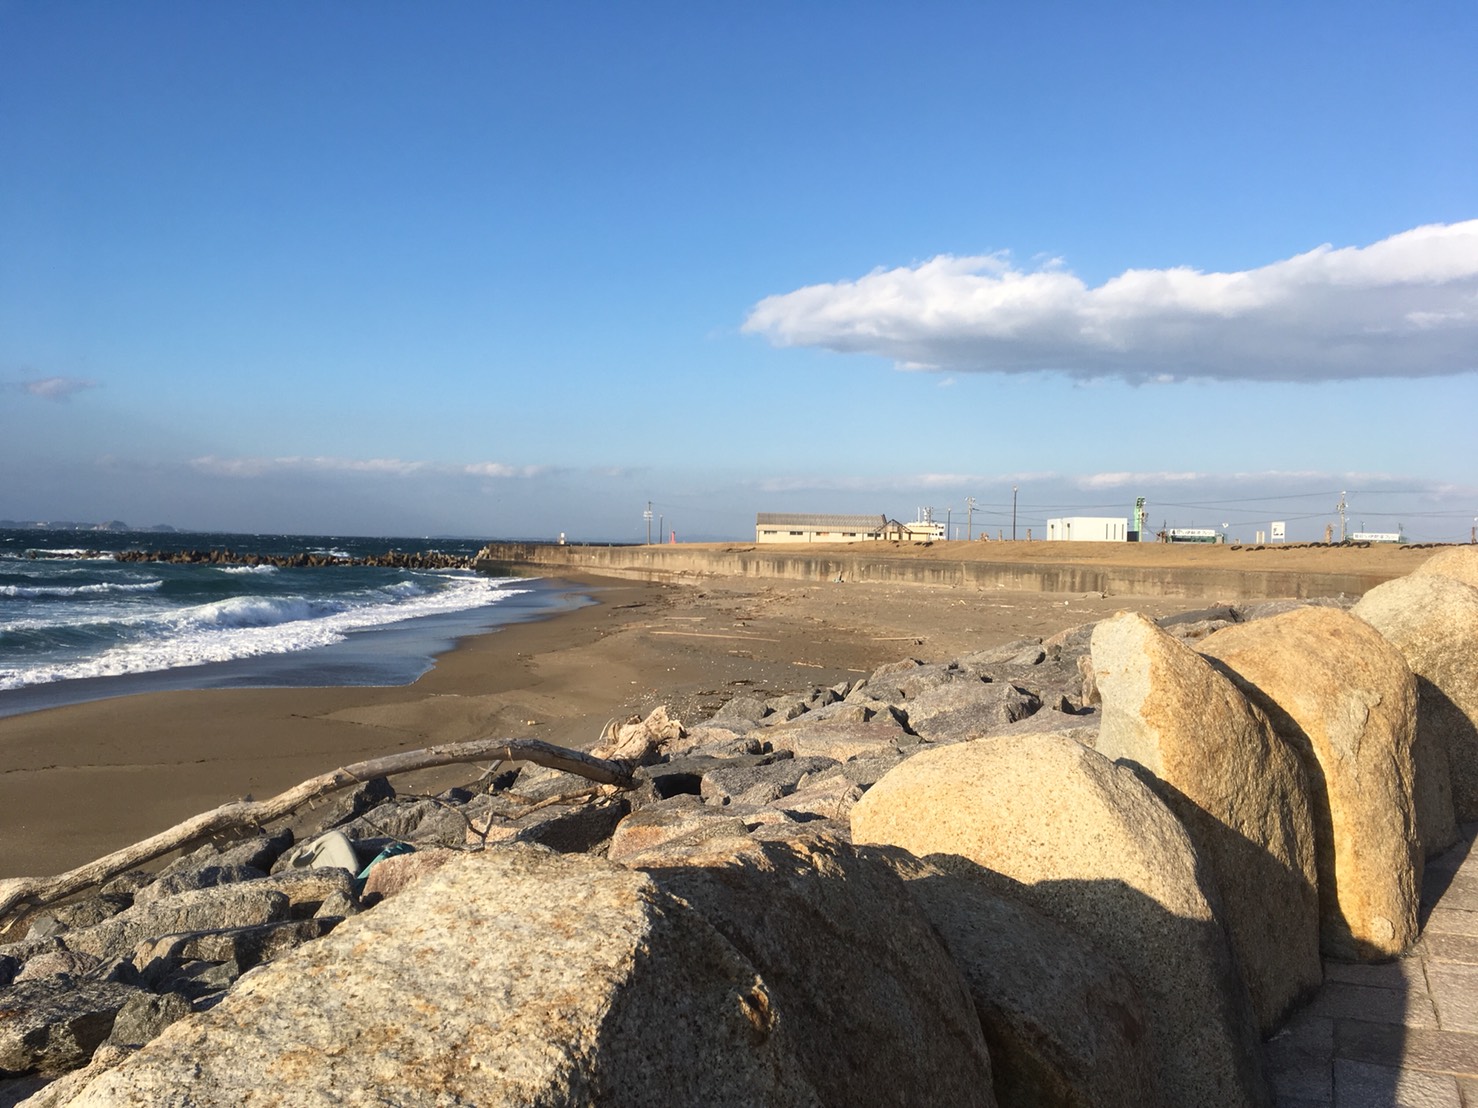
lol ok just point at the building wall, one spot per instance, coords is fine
(767, 533)
(1088, 529)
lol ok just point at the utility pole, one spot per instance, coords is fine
(969, 518)
(1013, 513)
(647, 515)
(1344, 530)
(949, 515)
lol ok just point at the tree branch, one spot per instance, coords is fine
(34, 891)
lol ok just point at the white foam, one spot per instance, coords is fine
(247, 569)
(36, 592)
(249, 627)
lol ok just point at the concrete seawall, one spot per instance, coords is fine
(1029, 573)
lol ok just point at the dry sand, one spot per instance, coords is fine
(77, 782)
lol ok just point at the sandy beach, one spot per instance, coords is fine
(81, 780)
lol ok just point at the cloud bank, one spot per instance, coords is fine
(1406, 306)
(373, 467)
(54, 388)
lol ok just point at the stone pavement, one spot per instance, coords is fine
(1403, 1033)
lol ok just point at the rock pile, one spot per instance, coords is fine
(1035, 875)
(393, 559)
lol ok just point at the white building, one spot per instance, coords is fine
(804, 527)
(1088, 529)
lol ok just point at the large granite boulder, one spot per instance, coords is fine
(878, 1010)
(1238, 788)
(509, 977)
(1097, 851)
(1342, 698)
(1433, 620)
(1065, 1025)
(1457, 562)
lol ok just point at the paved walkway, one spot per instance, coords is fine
(1402, 1033)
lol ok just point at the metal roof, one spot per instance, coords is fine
(820, 522)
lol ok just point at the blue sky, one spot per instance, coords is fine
(515, 269)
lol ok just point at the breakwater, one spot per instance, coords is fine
(1227, 573)
(393, 559)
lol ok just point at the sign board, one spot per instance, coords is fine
(1278, 525)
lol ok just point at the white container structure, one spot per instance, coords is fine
(1088, 529)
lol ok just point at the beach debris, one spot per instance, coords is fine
(17, 891)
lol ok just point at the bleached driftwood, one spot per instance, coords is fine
(34, 891)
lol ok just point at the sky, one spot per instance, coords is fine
(510, 270)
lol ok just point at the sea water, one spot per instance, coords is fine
(76, 624)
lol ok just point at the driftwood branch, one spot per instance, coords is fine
(19, 891)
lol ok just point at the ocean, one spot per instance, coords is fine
(76, 624)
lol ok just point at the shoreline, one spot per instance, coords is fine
(81, 780)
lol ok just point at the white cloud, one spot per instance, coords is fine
(1406, 306)
(375, 467)
(54, 388)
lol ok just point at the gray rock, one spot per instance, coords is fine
(307, 889)
(200, 910)
(786, 707)
(58, 963)
(346, 806)
(144, 1015)
(878, 1009)
(257, 852)
(196, 877)
(535, 978)
(1011, 653)
(684, 774)
(673, 825)
(840, 740)
(741, 708)
(1080, 726)
(963, 710)
(569, 829)
(157, 959)
(726, 785)
(54, 1024)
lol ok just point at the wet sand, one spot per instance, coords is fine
(79, 781)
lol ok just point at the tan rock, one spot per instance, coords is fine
(681, 820)
(1101, 854)
(399, 872)
(877, 1008)
(1458, 562)
(1238, 788)
(509, 977)
(1343, 699)
(1433, 620)
(1064, 1024)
